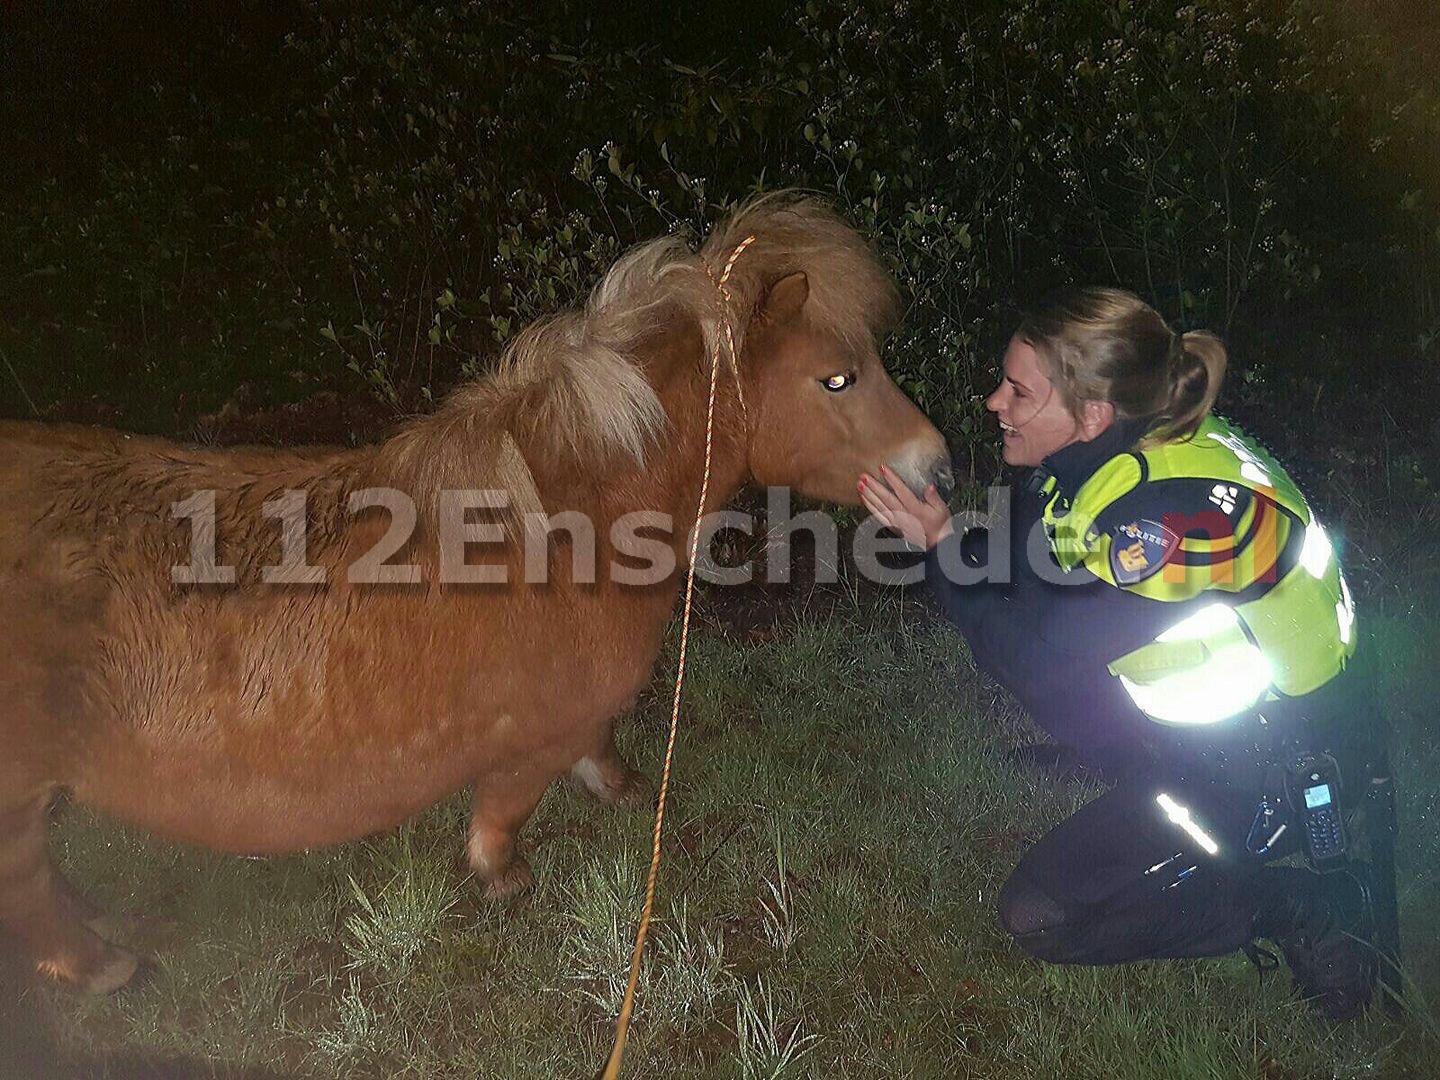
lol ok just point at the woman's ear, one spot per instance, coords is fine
(1095, 417)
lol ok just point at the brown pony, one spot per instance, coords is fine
(262, 716)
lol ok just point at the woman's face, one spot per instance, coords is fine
(1034, 421)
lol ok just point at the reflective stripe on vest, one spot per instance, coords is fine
(1226, 658)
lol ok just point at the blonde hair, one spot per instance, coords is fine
(1102, 344)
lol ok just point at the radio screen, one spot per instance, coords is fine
(1317, 796)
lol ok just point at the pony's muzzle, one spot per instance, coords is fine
(943, 477)
(920, 473)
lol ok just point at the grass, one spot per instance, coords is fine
(842, 819)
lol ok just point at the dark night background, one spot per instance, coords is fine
(298, 222)
(193, 193)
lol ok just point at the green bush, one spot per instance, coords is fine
(417, 182)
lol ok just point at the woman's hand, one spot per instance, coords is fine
(923, 522)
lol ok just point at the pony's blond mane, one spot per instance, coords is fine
(569, 385)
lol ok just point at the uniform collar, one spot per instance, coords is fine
(1074, 464)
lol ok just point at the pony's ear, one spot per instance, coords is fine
(786, 297)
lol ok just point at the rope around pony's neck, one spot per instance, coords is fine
(724, 291)
(627, 1007)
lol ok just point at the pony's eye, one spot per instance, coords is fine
(836, 383)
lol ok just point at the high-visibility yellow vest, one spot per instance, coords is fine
(1252, 643)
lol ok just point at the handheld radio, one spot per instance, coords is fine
(1313, 789)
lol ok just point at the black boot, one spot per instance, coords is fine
(1322, 924)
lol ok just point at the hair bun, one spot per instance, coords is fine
(1197, 368)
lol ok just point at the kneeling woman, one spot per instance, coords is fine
(1174, 617)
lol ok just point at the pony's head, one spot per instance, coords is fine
(820, 407)
(806, 301)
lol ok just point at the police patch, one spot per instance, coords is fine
(1139, 549)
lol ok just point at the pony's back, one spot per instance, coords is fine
(95, 493)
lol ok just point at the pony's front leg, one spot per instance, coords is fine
(46, 916)
(607, 775)
(503, 802)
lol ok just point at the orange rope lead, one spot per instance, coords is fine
(729, 331)
(627, 1007)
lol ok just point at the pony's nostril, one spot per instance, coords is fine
(943, 478)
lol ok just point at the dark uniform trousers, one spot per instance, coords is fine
(1119, 881)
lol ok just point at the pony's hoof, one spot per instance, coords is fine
(633, 789)
(613, 782)
(113, 927)
(513, 880)
(115, 971)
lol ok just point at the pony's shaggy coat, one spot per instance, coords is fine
(260, 716)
